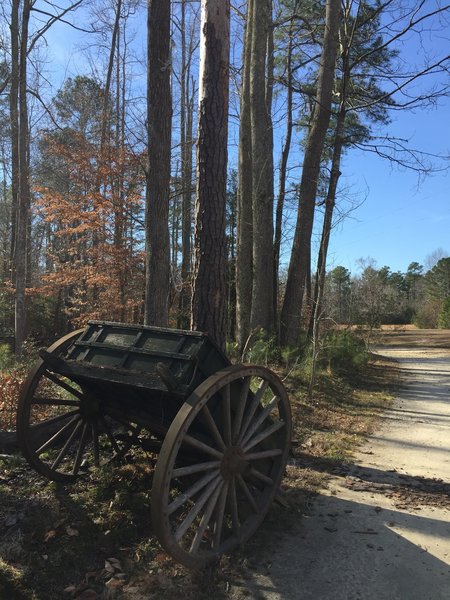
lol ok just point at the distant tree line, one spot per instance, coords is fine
(379, 296)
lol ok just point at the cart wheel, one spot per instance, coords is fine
(220, 464)
(61, 428)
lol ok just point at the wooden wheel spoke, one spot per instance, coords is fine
(206, 518)
(263, 454)
(195, 510)
(247, 493)
(213, 428)
(264, 434)
(220, 515)
(234, 507)
(260, 419)
(195, 443)
(264, 478)
(66, 446)
(205, 466)
(109, 434)
(54, 402)
(58, 419)
(56, 436)
(242, 401)
(63, 384)
(226, 413)
(189, 493)
(252, 409)
(81, 447)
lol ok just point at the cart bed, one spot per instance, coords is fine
(142, 357)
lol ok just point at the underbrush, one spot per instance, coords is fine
(12, 376)
(342, 351)
(336, 351)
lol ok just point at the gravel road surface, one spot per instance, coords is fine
(382, 528)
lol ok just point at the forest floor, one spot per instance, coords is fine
(94, 540)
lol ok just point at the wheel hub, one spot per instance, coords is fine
(233, 463)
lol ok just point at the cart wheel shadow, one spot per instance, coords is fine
(346, 549)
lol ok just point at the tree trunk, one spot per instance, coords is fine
(299, 267)
(14, 125)
(159, 105)
(186, 123)
(313, 330)
(231, 270)
(283, 172)
(106, 107)
(262, 171)
(209, 297)
(244, 243)
(22, 148)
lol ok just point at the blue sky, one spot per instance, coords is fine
(401, 219)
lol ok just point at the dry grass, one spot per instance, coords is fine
(423, 338)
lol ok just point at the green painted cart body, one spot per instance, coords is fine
(219, 433)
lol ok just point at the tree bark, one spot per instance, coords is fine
(106, 105)
(14, 126)
(283, 172)
(244, 243)
(159, 111)
(262, 171)
(209, 297)
(21, 143)
(299, 266)
(313, 329)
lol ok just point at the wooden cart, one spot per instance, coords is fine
(221, 432)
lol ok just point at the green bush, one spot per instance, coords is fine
(343, 351)
(444, 315)
(292, 356)
(263, 350)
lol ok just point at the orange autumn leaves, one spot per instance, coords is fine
(94, 252)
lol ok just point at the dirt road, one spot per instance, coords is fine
(382, 529)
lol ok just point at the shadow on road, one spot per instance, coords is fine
(356, 551)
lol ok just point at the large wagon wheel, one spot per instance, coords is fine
(62, 427)
(221, 463)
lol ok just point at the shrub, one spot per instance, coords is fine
(343, 351)
(427, 314)
(444, 315)
(263, 350)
